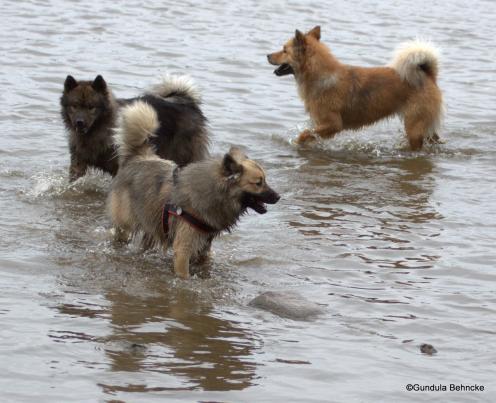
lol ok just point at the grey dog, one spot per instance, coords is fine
(185, 208)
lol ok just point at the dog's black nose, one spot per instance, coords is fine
(80, 123)
(271, 196)
(268, 58)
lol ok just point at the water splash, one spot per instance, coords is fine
(54, 184)
(375, 142)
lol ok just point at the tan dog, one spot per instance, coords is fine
(338, 96)
(184, 208)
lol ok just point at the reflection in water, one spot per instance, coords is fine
(364, 217)
(177, 334)
(370, 205)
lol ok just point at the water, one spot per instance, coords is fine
(398, 247)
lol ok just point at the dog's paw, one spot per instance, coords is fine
(435, 141)
(305, 137)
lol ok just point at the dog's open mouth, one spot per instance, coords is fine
(283, 70)
(257, 201)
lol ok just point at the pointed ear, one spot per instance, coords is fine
(99, 84)
(237, 154)
(230, 165)
(70, 83)
(299, 39)
(315, 32)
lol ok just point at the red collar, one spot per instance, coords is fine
(176, 211)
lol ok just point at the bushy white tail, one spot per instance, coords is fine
(138, 122)
(415, 60)
(173, 85)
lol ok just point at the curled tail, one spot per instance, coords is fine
(416, 60)
(138, 123)
(178, 86)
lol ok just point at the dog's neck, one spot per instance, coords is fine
(312, 87)
(201, 190)
(319, 73)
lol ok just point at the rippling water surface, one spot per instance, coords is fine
(397, 247)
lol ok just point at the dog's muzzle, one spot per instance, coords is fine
(80, 126)
(283, 70)
(257, 201)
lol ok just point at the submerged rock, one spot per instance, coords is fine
(427, 349)
(124, 346)
(287, 304)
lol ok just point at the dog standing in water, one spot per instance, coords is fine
(90, 112)
(185, 208)
(339, 97)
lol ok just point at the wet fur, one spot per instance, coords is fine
(213, 190)
(182, 135)
(339, 96)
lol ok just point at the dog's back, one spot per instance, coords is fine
(364, 95)
(182, 135)
(373, 94)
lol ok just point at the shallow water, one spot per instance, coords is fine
(398, 247)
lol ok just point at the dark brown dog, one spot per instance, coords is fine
(90, 113)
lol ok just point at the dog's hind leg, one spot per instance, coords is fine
(435, 139)
(119, 209)
(147, 242)
(423, 115)
(415, 132)
(420, 128)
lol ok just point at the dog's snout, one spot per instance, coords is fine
(80, 123)
(268, 57)
(272, 197)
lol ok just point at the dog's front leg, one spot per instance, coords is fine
(76, 169)
(205, 252)
(327, 132)
(305, 137)
(333, 125)
(182, 254)
(181, 263)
